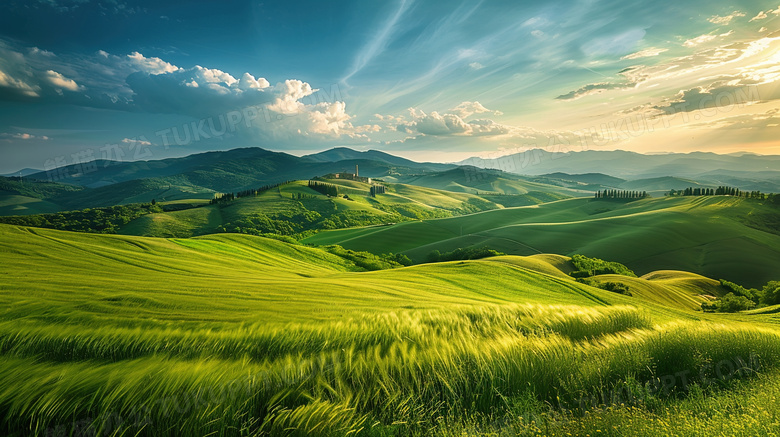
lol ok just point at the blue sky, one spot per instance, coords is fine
(430, 80)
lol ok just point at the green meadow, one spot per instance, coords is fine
(242, 335)
(717, 236)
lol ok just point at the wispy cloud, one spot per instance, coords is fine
(693, 42)
(726, 19)
(23, 136)
(652, 51)
(379, 41)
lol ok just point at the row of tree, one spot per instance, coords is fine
(620, 194)
(324, 188)
(228, 197)
(720, 191)
(377, 189)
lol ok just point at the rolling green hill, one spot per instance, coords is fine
(294, 208)
(14, 204)
(241, 335)
(705, 235)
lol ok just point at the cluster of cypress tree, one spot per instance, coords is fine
(620, 194)
(720, 191)
(377, 189)
(228, 197)
(321, 187)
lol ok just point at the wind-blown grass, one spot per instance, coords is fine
(402, 370)
(243, 336)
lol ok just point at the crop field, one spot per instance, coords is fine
(242, 335)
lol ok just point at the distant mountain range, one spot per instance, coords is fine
(632, 165)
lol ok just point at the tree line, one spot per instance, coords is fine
(324, 188)
(377, 189)
(720, 191)
(620, 194)
(229, 197)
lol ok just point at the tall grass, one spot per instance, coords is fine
(400, 372)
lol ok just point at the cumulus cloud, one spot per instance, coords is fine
(716, 19)
(197, 91)
(652, 51)
(151, 65)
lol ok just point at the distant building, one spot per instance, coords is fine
(347, 176)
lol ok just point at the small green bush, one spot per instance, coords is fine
(587, 267)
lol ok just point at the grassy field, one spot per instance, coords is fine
(245, 336)
(705, 235)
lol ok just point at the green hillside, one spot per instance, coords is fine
(14, 204)
(705, 235)
(240, 335)
(294, 208)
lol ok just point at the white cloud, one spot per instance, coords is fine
(61, 82)
(764, 14)
(199, 91)
(137, 141)
(150, 65)
(35, 51)
(467, 109)
(693, 42)
(725, 19)
(24, 136)
(248, 81)
(652, 51)
(761, 15)
(436, 124)
(476, 66)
